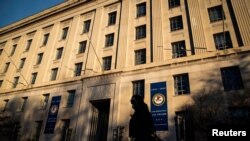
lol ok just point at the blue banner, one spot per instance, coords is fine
(159, 110)
(52, 116)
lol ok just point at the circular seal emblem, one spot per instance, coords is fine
(53, 109)
(158, 99)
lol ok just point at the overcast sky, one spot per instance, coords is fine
(15, 10)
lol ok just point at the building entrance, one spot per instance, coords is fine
(99, 120)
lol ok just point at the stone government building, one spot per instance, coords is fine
(68, 72)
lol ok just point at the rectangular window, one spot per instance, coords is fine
(107, 63)
(53, 74)
(112, 18)
(28, 45)
(140, 56)
(181, 84)
(4, 105)
(71, 98)
(231, 78)
(179, 49)
(22, 61)
(141, 9)
(173, 3)
(23, 104)
(39, 58)
(16, 79)
(138, 87)
(13, 50)
(65, 129)
(140, 32)
(216, 13)
(86, 26)
(38, 130)
(82, 47)
(1, 51)
(64, 33)
(44, 101)
(78, 69)
(33, 78)
(1, 83)
(6, 67)
(59, 53)
(45, 39)
(109, 40)
(180, 122)
(222, 40)
(176, 23)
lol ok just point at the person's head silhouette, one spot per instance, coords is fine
(136, 101)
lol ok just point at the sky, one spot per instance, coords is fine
(14, 10)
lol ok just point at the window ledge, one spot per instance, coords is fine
(56, 61)
(78, 55)
(188, 94)
(84, 33)
(108, 48)
(140, 40)
(36, 66)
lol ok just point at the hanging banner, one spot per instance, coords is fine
(159, 110)
(52, 116)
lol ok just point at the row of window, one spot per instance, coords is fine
(43, 102)
(178, 50)
(64, 128)
(215, 14)
(231, 78)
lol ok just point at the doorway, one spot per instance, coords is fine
(99, 120)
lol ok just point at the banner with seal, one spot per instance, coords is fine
(159, 110)
(52, 116)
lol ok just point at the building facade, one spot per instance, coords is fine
(68, 73)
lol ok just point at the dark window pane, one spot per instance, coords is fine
(45, 39)
(39, 58)
(141, 32)
(176, 23)
(6, 67)
(112, 18)
(231, 78)
(71, 98)
(107, 63)
(141, 9)
(138, 87)
(109, 40)
(22, 61)
(181, 84)
(33, 78)
(13, 50)
(179, 49)
(59, 53)
(222, 41)
(28, 44)
(140, 56)
(78, 69)
(53, 74)
(86, 26)
(64, 33)
(16, 79)
(216, 13)
(173, 3)
(82, 47)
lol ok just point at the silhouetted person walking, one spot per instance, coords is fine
(141, 125)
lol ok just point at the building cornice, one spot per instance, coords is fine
(43, 15)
